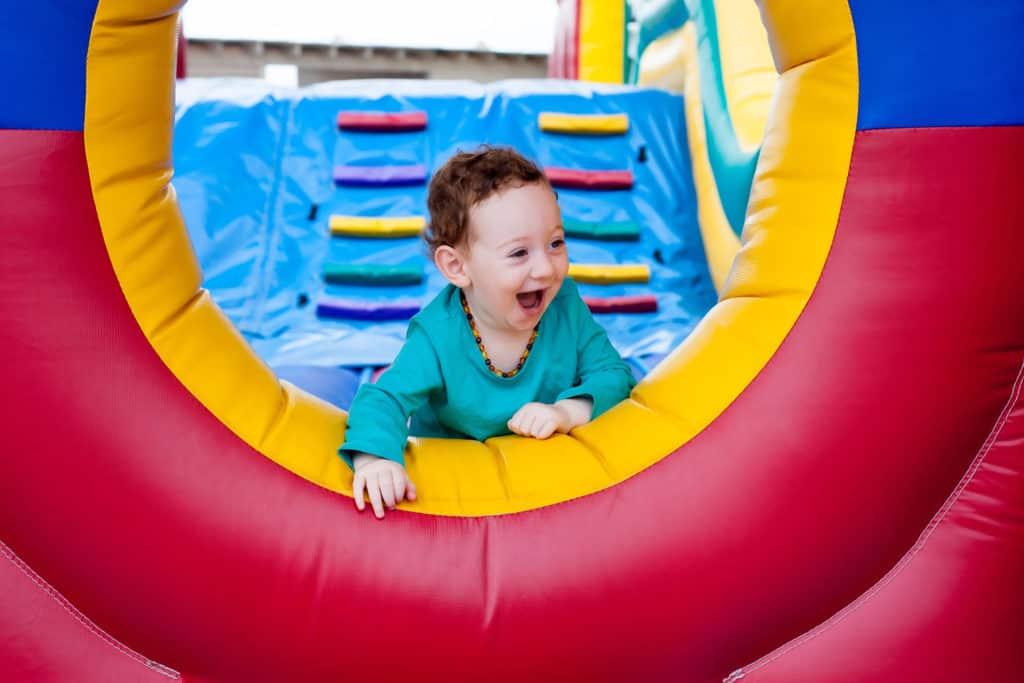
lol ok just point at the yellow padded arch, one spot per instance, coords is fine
(793, 212)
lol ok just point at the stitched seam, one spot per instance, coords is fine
(910, 555)
(89, 625)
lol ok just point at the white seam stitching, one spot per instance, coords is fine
(55, 595)
(915, 550)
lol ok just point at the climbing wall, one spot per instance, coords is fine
(305, 207)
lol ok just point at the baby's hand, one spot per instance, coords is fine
(386, 483)
(540, 420)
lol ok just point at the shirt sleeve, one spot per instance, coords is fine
(601, 374)
(378, 421)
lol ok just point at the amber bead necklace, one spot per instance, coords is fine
(483, 350)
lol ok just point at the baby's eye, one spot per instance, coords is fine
(518, 253)
(558, 243)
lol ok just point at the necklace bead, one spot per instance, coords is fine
(483, 351)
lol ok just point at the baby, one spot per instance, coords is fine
(507, 346)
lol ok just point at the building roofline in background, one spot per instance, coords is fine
(331, 50)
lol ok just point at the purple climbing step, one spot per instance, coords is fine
(380, 176)
(351, 309)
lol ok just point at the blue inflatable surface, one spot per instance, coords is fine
(254, 178)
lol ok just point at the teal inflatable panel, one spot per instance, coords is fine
(254, 176)
(732, 166)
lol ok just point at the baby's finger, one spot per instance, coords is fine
(410, 488)
(546, 428)
(399, 479)
(528, 423)
(373, 488)
(513, 425)
(387, 488)
(358, 485)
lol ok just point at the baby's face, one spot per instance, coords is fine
(516, 256)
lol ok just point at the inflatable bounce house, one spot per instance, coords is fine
(821, 479)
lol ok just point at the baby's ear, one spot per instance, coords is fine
(452, 265)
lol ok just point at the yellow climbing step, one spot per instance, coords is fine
(583, 124)
(608, 274)
(361, 226)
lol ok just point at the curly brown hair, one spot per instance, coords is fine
(467, 179)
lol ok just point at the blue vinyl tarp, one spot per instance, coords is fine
(253, 173)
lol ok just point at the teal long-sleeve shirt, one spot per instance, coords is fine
(439, 378)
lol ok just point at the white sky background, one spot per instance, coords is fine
(526, 26)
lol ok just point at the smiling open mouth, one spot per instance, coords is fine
(531, 301)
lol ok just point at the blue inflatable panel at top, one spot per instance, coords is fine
(958, 73)
(43, 47)
(253, 172)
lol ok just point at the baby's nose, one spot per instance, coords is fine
(542, 268)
